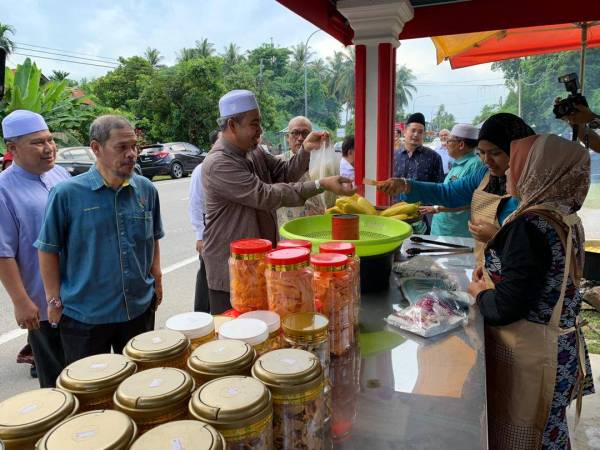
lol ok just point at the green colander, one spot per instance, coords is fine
(378, 234)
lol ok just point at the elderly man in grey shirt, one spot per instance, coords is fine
(244, 185)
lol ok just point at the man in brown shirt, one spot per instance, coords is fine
(244, 185)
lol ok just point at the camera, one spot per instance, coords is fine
(566, 106)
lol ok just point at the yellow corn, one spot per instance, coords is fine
(406, 208)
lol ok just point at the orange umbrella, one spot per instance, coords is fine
(463, 50)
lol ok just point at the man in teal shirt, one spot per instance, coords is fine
(461, 147)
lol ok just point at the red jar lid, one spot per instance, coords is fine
(287, 256)
(250, 246)
(295, 243)
(344, 248)
(329, 260)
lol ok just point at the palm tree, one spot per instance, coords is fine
(187, 53)
(335, 69)
(345, 82)
(232, 55)
(320, 68)
(205, 48)
(59, 75)
(153, 56)
(300, 54)
(405, 89)
(5, 42)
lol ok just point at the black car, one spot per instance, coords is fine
(77, 160)
(177, 159)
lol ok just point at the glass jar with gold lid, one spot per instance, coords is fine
(26, 417)
(252, 331)
(295, 379)
(221, 358)
(155, 396)
(158, 348)
(273, 322)
(94, 380)
(91, 430)
(239, 408)
(182, 434)
(198, 327)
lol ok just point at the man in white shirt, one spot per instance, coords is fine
(442, 150)
(347, 161)
(196, 212)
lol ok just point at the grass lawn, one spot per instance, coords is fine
(592, 336)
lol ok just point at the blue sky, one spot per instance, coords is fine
(111, 28)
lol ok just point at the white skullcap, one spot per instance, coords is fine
(465, 131)
(22, 122)
(236, 102)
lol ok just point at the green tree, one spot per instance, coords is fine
(443, 119)
(300, 55)
(275, 58)
(205, 48)
(59, 75)
(6, 43)
(405, 89)
(122, 85)
(232, 55)
(186, 54)
(153, 56)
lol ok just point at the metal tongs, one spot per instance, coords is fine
(449, 248)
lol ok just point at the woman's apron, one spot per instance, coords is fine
(521, 365)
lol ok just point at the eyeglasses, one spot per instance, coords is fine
(298, 133)
(453, 140)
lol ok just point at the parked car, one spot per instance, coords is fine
(77, 160)
(177, 159)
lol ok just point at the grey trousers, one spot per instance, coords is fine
(48, 353)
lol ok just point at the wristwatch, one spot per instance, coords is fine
(54, 302)
(318, 186)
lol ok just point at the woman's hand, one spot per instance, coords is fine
(482, 231)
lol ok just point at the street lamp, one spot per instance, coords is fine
(305, 77)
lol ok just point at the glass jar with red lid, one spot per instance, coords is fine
(295, 243)
(289, 281)
(348, 249)
(247, 274)
(334, 297)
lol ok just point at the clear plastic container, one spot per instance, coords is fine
(247, 274)
(348, 249)
(345, 388)
(219, 320)
(273, 322)
(240, 408)
(295, 379)
(198, 327)
(181, 435)
(252, 331)
(221, 358)
(334, 296)
(158, 348)
(294, 243)
(289, 281)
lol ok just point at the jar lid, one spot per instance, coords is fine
(221, 357)
(181, 434)
(156, 345)
(252, 331)
(220, 320)
(192, 324)
(231, 402)
(35, 412)
(271, 318)
(328, 260)
(288, 256)
(91, 430)
(96, 374)
(305, 324)
(295, 243)
(250, 246)
(343, 248)
(288, 370)
(154, 389)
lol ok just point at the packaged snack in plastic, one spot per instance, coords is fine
(434, 313)
(247, 274)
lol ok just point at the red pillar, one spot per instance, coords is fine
(360, 80)
(385, 114)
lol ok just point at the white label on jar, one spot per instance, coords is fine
(28, 409)
(232, 392)
(155, 383)
(99, 366)
(289, 361)
(156, 340)
(83, 435)
(176, 444)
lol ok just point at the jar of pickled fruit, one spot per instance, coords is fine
(198, 327)
(294, 243)
(251, 331)
(181, 435)
(333, 287)
(348, 249)
(289, 281)
(240, 408)
(295, 379)
(221, 358)
(158, 348)
(94, 380)
(273, 322)
(248, 290)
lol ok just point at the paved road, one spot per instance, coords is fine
(179, 262)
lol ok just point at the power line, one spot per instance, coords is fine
(66, 51)
(65, 54)
(63, 60)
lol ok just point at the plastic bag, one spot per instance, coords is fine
(324, 163)
(434, 313)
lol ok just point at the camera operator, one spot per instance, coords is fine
(583, 117)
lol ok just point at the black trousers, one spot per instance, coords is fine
(219, 301)
(48, 354)
(83, 339)
(201, 302)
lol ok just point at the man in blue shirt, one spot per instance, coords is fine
(98, 248)
(24, 188)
